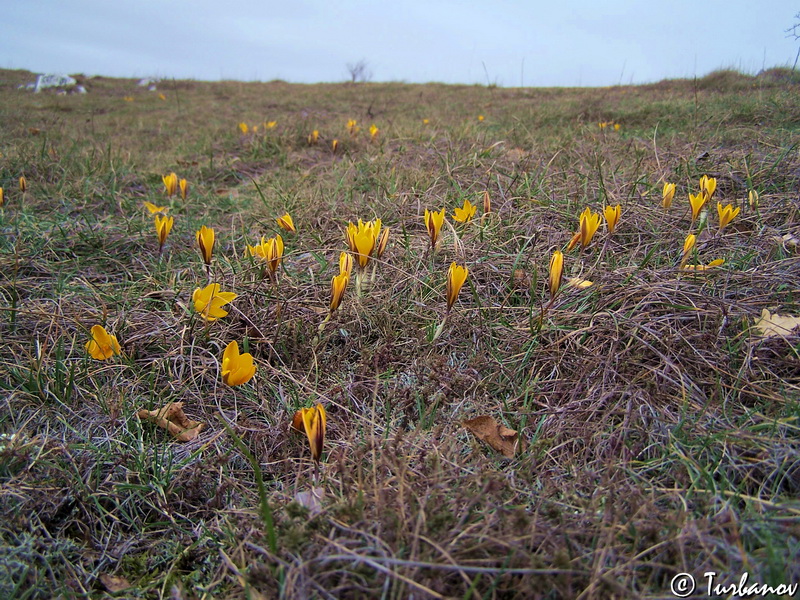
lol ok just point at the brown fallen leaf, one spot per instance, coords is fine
(172, 418)
(772, 325)
(114, 583)
(499, 437)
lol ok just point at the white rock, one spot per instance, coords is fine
(80, 90)
(148, 81)
(50, 80)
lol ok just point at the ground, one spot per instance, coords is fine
(654, 425)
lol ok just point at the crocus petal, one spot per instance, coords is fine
(456, 276)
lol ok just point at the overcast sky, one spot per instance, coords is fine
(507, 42)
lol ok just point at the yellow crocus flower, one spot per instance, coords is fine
(208, 302)
(270, 124)
(313, 422)
(433, 222)
(364, 244)
(556, 272)
(237, 368)
(345, 263)
(23, 184)
(612, 215)
(465, 213)
(163, 227)
(752, 198)
(456, 276)
(313, 138)
(380, 244)
(689, 243)
(589, 223)
(274, 253)
(352, 127)
(170, 183)
(2, 200)
(480, 117)
(102, 346)
(573, 241)
(155, 209)
(373, 131)
(183, 185)
(286, 223)
(243, 128)
(708, 185)
(726, 214)
(697, 201)
(205, 240)
(667, 194)
(338, 286)
(711, 265)
(334, 146)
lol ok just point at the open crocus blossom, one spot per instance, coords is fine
(667, 194)
(373, 131)
(433, 222)
(465, 213)
(286, 223)
(243, 128)
(362, 239)
(353, 127)
(338, 287)
(102, 345)
(170, 183)
(589, 222)
(711, 265)
(163, 227)
(270, 251)
(556, 272)
(697, 202)
(237, 368)
(208, 302)
(456, 276)
(726, 214)
(612, 215)
(155, 209)
(708, 185)
(205, 240)
(312, 421)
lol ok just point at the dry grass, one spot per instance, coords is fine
(658, 432)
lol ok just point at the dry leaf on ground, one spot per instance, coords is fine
(499, 437)
(172, 418)
(770, 325)
(114, 583)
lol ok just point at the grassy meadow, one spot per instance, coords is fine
(651, 423)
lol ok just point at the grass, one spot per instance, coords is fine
(658, 432)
